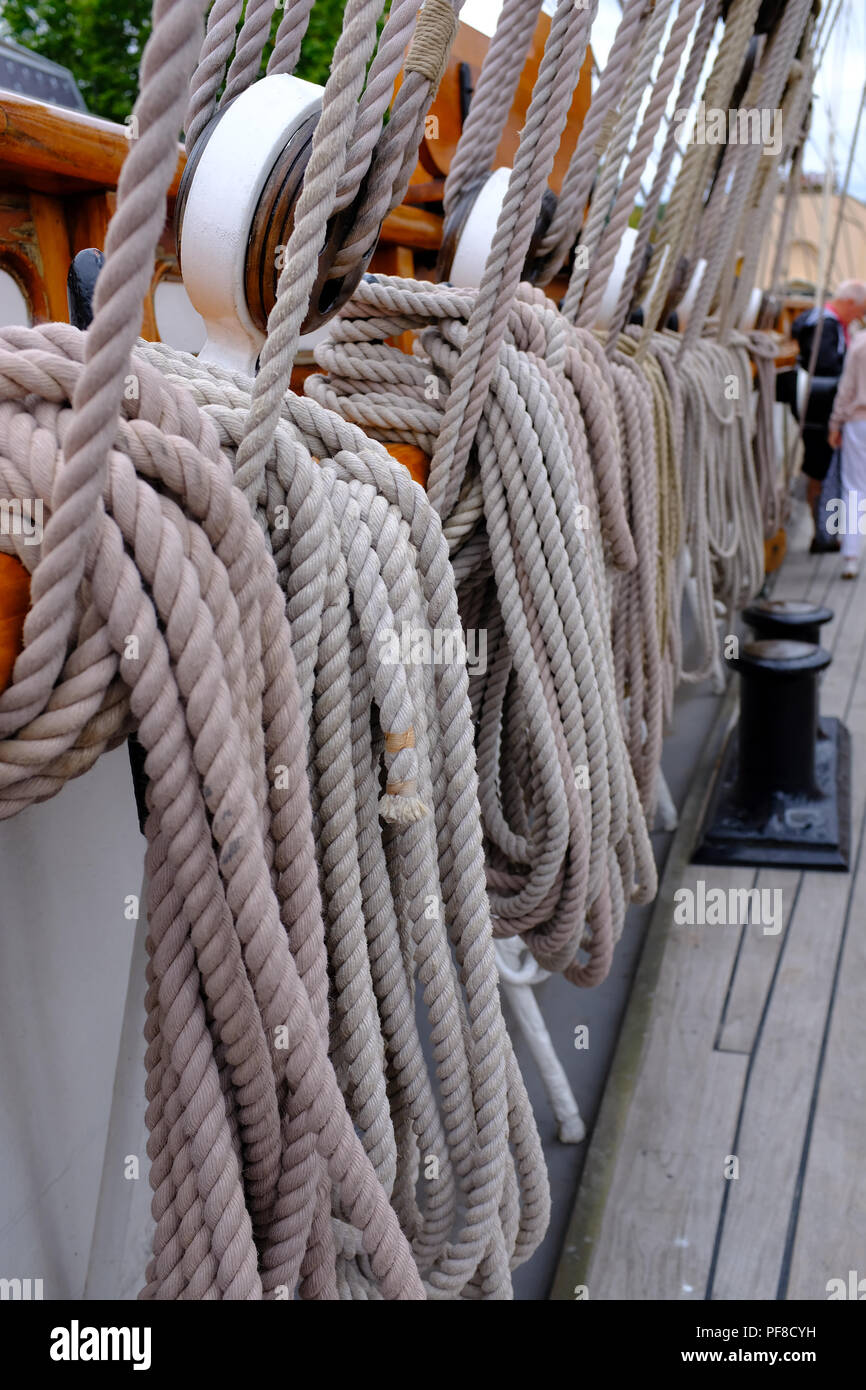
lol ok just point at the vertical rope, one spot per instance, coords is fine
(492, 98)
(774, 72)
(576, 185)
(560, 65)
(685, 96)
(130, 249)
(685, 200)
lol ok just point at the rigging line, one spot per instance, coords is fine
(844, 195)
(825, 24)
(836, 85)
(831, 24)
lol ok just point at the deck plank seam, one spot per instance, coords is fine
(793, 1220)
(736, 961)
(753, 1056)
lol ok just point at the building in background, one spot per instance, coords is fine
(32, 76)
(813, 227)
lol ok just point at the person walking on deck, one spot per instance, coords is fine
(848, 428)
(847, 304)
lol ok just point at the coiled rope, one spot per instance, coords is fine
(530, 566)
(297, 1139)
(315, 821)
(677, 438)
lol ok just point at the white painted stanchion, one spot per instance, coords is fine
(717, 672)
(667, 815)
(518, 974)
(687, 303)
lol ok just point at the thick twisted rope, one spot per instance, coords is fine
(540, 587)
(594, 134)
(770, 82)
(492, 97)
(763, 195)
(396, 153)
(210, 70)
(376, 97)
(684, 205)
(600, 211)
(563, 56)
(290, 771)
(662, 85)
(217, 932)
(289, 36)
(327, 160)
(490, 1090)
(685, 96)
(130, 248)
(320, 850)
(247, 60)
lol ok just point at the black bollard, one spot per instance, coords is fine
(778, 718)
(787, 618)
(783, 793)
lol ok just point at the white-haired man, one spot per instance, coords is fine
(848, 429)
(847, 304)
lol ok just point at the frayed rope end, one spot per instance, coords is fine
(401, 810)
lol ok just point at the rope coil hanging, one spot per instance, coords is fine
(549, 689)
(321, 901)
(297, 1140)
(681, 451)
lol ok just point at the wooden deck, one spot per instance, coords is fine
(741, 1044)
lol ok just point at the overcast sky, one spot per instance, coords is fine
(837, 89)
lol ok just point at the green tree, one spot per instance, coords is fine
(101, 41)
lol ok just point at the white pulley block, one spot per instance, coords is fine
(648, 295)
(616, 279)
(802, 392)
(687, 303)
(220, 203)
(753, 308)
(476, 238)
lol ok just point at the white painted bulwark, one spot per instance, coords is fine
(66, 867)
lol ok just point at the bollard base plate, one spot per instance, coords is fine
(788, 830)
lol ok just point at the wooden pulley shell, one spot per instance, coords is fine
(272, 226)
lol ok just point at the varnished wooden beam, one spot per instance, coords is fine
(63, 152)
(408, 226)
